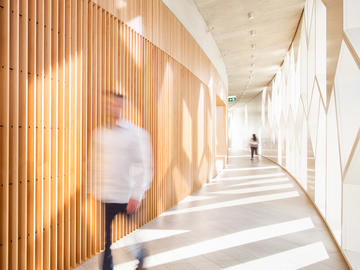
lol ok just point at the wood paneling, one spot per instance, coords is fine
(154, 21)
(57, 59)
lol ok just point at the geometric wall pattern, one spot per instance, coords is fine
(317, 117)
(310, 115)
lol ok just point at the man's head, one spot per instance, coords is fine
(114, 102)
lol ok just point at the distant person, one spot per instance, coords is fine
(122, 170)
(253, 145)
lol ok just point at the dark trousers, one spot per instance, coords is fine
(253, 150)
(111, 210)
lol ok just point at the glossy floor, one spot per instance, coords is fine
(252, 216)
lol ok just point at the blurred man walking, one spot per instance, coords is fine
(122, 169)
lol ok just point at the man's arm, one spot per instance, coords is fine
(142, 170)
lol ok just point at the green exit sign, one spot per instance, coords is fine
(232, 98)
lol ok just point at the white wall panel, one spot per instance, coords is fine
(351, 217)
(333, 173)
(320, 43)
(313, 117)
(351, 201)
(351, 14)
(347, 89)
(309, 8)
(302, 64)
(354, 38)
(320, 161)
(312, 59)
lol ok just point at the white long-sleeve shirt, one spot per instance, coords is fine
(253, 143)
(122, 164)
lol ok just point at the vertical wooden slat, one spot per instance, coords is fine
(46, 129)
(39, 137)
(31, 136)
(61, 135)
(92, 118)
(67, 135)
(4, 132)
(115, 88)
(91, 78)
(23, 133)
(84, 117)
(97, 120)
(14, 135)
(78, 129)
(84, 174)
(54, 131)
(110, 81)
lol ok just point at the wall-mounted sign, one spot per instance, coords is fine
(231, 98)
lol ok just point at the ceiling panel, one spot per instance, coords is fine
(250, 68)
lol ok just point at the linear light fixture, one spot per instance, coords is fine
(251, 15)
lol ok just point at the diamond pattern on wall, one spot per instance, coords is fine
(320, 140)
(320, 47)
(353, 35)
(347, 90)
(351, 213)
(313, 118)
(352, 170)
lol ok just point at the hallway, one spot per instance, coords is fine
(252, 216)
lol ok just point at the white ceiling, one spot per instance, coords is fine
(275, 23)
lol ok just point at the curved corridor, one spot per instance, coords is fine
(252, 216)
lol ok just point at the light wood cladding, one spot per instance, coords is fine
(153, 20)
(57, 59)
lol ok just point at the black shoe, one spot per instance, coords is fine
(141, 256)
(108, 263)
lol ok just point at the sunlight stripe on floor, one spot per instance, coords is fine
(288, 260)
(193, 198)
(257, 176)
(264, 181)
(145, 235)
(250, 168)
(254, 189)
(225, 242)
(243, 201)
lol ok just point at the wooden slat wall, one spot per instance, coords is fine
(153, 20)
(56, 59)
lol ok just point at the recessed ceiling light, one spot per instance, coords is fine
(210, 28)
(253, 33)
(251, 15)
(253, 46)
